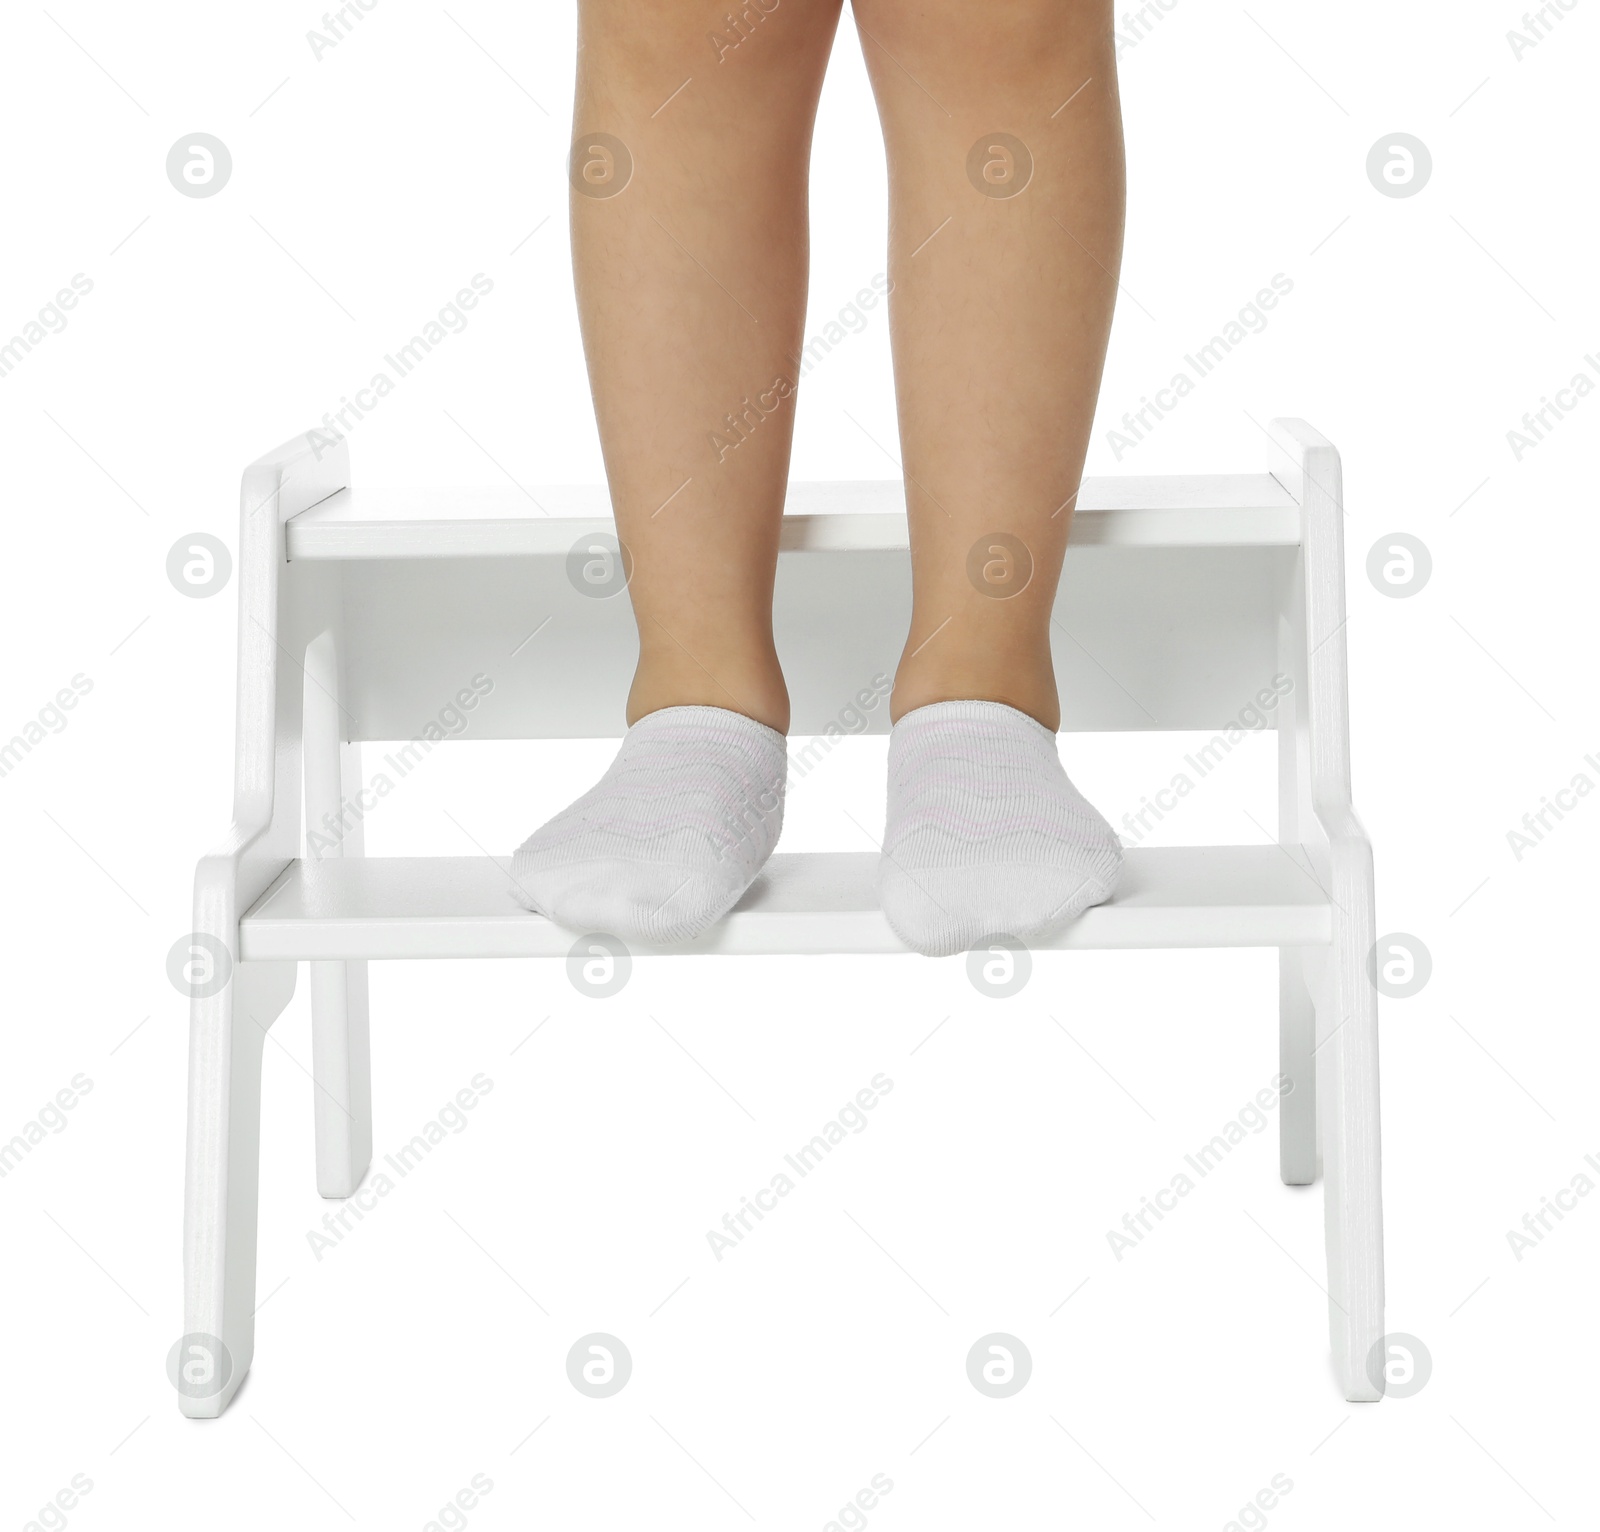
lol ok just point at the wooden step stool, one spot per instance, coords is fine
(362, 612)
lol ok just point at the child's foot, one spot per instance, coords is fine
(985, 833)
(670, 837)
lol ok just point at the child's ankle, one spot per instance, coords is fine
(711, 681)
(1028, 689)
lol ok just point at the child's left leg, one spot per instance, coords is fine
(1004, 139)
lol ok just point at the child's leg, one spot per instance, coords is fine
(691, 284)
(692, 293)
(1006, 199)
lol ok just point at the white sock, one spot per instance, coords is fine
(670, 837)
(985, 833)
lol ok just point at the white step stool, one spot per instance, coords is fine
(362, 611)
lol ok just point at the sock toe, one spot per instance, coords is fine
(662, 904)
(940, 911)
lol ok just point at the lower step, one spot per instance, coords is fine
(817, 902)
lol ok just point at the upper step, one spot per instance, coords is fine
(1176, 511)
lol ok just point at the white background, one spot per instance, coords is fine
(829, 1347)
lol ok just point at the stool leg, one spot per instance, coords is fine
(227, 1033)
(1297, 1023)
(1347, 1110)
(341, 1067)
(341, 1062)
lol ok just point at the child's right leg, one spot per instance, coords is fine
(691, 285)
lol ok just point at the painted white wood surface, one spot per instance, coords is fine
(1144, 637)
(807, 902)
(363, 615)
(1188, 510)
(1322, 819)
(340, 1044)
(227, 1029)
